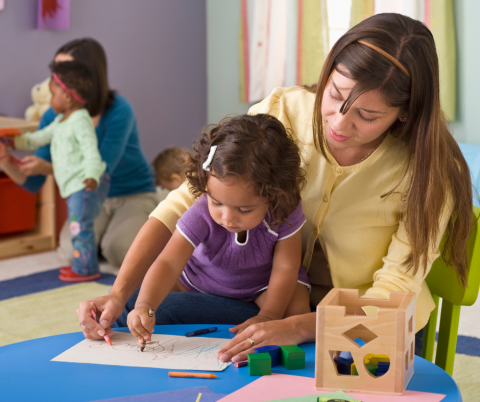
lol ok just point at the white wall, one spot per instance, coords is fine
(466, 127)
(223, 92)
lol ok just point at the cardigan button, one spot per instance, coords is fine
(325, 199)
(339, 170)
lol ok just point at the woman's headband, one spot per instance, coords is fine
(74, 95)
(388, 56)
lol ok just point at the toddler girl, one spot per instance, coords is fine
(241, 239)
(77, 166)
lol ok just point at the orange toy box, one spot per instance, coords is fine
(17, 207)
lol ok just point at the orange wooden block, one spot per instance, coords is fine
(5, 131)
(391, 333)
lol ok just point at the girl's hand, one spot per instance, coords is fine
(278, 332)
(7, 141)
(140, 324)
(33, 166)
(254, 320)
(90, 184)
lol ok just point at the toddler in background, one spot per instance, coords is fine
(77, 166)
(168, 166)
(242, 237)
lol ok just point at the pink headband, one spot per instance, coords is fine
(75, 96)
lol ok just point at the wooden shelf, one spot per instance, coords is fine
(23, 125)
(43, 236)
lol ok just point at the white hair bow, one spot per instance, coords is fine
(206, 165)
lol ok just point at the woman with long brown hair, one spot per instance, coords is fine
(132, 194)
(385, 180)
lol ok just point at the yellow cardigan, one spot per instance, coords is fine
(361, 234)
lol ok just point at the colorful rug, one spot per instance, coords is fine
(41, 305)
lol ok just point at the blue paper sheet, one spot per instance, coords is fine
(179, 395)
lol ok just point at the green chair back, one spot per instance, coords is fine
(443, 283)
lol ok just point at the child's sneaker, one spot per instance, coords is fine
(66, 270)
(67, 275)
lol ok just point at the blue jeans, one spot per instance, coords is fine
(195, 308)
(200, 308)
(83, 208)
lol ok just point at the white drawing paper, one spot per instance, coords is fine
(164, 351)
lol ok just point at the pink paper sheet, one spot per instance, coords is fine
(278, 386)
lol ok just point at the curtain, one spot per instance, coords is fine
(281, 43)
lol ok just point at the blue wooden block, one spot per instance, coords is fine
(382, 368)
(360, 342)
(273, 351)
(346, 355)
(343, 365)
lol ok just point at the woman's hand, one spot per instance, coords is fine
(289, 331)
(254, 320)
(141, 325)
(33, 166)
(107, 308)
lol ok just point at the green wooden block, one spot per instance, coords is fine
(372, 368)
(292, 357)
(259, 364)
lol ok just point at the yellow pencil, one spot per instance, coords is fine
(191, 375)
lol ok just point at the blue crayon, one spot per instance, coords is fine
(201, 331)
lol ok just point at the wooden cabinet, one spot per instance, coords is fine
(43, 236)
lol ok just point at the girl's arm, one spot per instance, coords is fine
(158, 282)
(145, 249)
(34, 140)
(283, 280)
(93, 165)
(38, 166)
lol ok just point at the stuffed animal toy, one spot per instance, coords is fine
(41, 97)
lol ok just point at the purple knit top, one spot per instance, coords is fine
(222, 266)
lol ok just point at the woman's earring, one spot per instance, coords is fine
(404, 120)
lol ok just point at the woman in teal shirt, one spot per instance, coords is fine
(132, 193)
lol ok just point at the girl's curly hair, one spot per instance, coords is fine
(256, 149)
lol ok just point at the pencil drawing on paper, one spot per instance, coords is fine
(163, 351)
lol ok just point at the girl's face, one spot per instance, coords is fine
(233, 205)
(366, 121)
(61, 100)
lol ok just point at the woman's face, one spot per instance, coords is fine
(367, 119)
(63, 57)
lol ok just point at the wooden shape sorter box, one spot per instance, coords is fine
(391, 333)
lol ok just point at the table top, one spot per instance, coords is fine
(26, 373)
